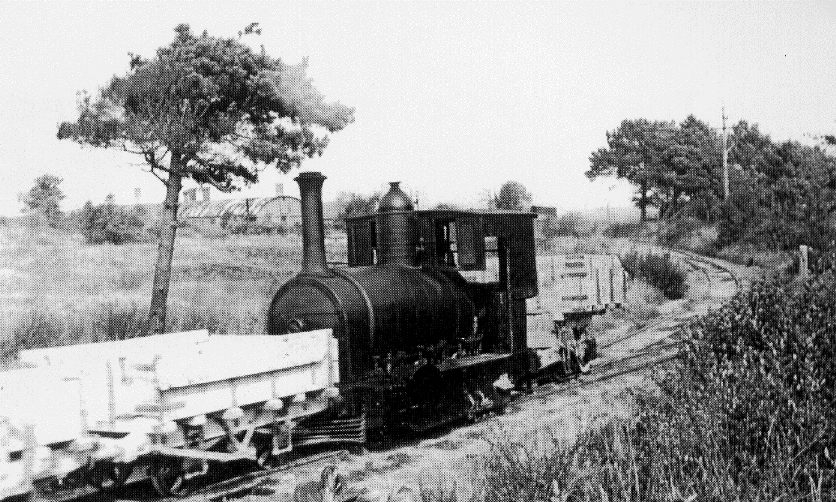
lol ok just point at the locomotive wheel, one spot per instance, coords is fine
(168, 476)
(109, 475)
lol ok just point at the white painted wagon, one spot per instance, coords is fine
(587, 284)
(40, 429)
(179, 401)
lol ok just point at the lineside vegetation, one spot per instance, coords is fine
(747, 413)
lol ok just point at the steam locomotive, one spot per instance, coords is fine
(422, 341)
(427, 324)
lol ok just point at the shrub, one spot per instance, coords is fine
(598, 465)
(255, 228)
(622, 229)
(109, 223)
(674, 231)
(659, 271)
(746, 413)
(750, 412)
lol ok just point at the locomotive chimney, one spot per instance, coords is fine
(313, 226)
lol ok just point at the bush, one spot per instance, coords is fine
(659, 271)
(674, 231)
(597, 466)
(750, 412)
(746, 413)
(109, 223)
(622, 230)
(254, 228)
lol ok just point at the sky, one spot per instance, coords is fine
(451, 98)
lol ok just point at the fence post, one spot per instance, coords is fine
(803, 261)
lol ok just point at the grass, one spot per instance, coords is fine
(57, 289)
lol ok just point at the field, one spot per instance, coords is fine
(56, 289)
(54, 284)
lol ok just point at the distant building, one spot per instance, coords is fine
(544, 210)
(215, 215)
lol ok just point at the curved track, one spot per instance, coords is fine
(632, 352)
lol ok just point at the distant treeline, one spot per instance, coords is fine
(781, 194)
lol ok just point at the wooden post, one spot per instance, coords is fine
(803, 261)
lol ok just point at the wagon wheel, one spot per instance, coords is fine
(168, 476)
(265, 458)
(109, 475)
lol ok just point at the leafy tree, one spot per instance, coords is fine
(783, 195)
(695, 164)
(754, 151)
(513, 195)
(109, 222)
(637, 151)
(739, 213)
(212, 110)
(351, 204)
(45, 198)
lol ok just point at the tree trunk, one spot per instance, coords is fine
(643, 203)
(165, 251)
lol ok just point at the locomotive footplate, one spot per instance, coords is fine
(464, 362)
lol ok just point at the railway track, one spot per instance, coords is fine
(693, 258)
(243, 483)
(607, 368)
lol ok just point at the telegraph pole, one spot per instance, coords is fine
(725, 142)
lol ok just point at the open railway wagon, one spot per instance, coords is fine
(583, 286)
(172, 404)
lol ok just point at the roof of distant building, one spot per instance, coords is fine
(545, 210)
(232, 207)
